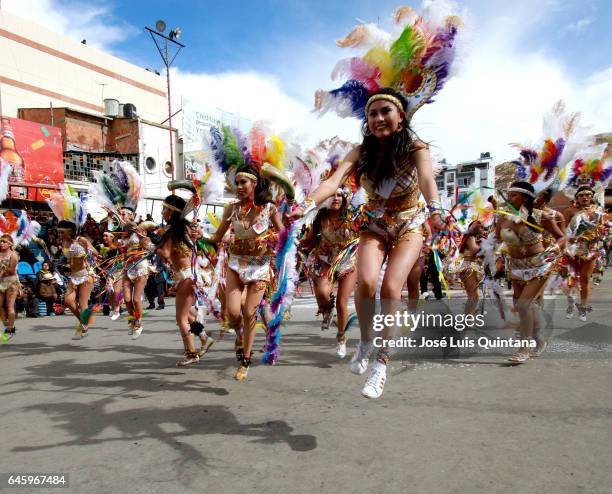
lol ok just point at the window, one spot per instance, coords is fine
(150, 164)
(168, 168)
(450, 178)
(464, 182)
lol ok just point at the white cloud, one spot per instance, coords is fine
(79, 20)
(579, 26)
(501, 93)
(258, 96)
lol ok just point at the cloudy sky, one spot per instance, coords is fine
(264, 59)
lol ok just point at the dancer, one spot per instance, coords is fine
(586, 221)
(9, 285)
(109, 250)
(529, 263)
(69, 208)
(392, 164)
(250, 254)
(176, 246)
(471, 271)
(119, 193)
(332, 231)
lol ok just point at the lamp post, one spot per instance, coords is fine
(158, 36)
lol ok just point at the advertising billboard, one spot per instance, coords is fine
(35, 152)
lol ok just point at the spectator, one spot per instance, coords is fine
(47, 287)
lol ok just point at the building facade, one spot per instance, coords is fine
(466, 175)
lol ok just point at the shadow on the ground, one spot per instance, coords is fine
(85, 423)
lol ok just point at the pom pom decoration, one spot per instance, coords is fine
(68, 205)
(17, 224)
(122, 188)
(416, 62)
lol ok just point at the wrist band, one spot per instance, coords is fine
(308, 205)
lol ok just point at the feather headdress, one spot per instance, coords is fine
(68, 205)
(567, 157)
(416, 62)
(119, 189)
(19, 226)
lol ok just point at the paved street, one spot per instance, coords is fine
(118, 416)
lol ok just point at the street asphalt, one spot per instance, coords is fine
(117, 415)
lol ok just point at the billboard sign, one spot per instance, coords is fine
(36, 155)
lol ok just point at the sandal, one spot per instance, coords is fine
(519, 358)
(539, 349)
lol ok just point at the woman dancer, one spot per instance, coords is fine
(471, 270)
(392, 164)
(119, 193)
(109, 250)
(69, 209)
(585, 231)
(250, 253)
(176, 246)
(529, 263)
(332, 230)
(136, 247)
(9, 285)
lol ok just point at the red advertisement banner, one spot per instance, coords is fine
(35, 152)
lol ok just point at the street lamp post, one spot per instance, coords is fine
(158, 36)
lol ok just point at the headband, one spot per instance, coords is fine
(522, 191)
(584, 190)
(171, 207)
(385, 97)
(248, 175)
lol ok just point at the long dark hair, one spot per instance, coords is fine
(324, 213)
(263, 191)
(396, 153)
(528, 200)
(178, 225)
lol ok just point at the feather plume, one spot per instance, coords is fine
(231, 151)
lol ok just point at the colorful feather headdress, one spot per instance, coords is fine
(119, 189)
(591, 168)
(68, 205)
(567, 158)
(230, 151)
(416, 62)
(18, 225)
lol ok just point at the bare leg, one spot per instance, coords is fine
(139, 286)
(10, 296)
(370, 260)
(401, 260)
(3, 314)
(470, 284)
(127, 295)
(185, 299)
(254, 294)
(83, 291)
(413, 282)
(346, 285)
(70, 301)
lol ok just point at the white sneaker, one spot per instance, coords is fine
(341, 349)
(376, 381)
(359, 362)
(78, 334)
(137, 331)
(115, 315)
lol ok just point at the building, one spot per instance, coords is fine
(106, 108)
(466, 175)
(91, 143)
(40, 68)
